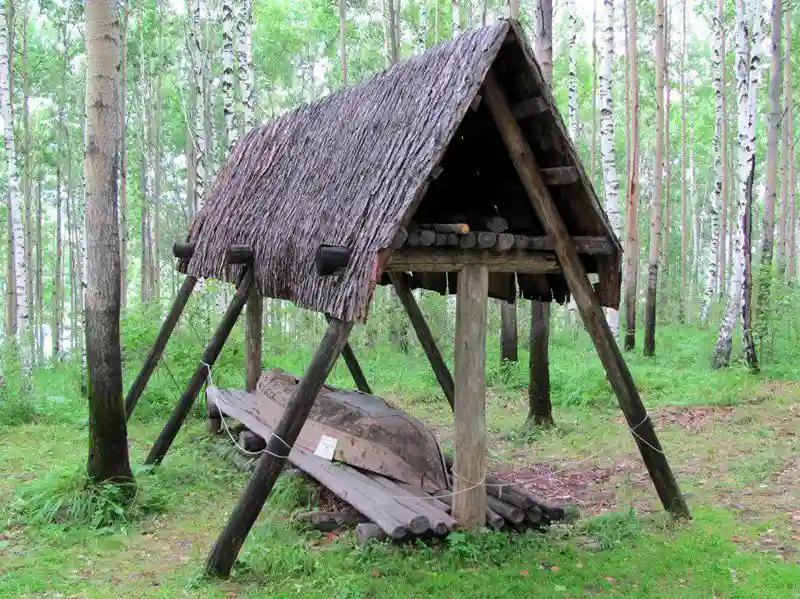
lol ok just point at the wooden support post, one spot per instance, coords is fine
(253, 336)
(588, 304)
(469, 431)
(226, 548)
(150, 363)
(210, 355)
(508, 332)
(354, 367)
(424, 335)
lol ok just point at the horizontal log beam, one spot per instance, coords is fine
(503, 242)
(528, 108)
(183, 250)
(560, 175)
(449, 260)
(239, 254)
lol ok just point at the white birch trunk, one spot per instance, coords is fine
(722, 350)
(228, 98)
(716, 196)
(244, 40)
(456, 17)
(607, 154)
(511, 10)
(199, 130)
(15, 204)
(572, 77)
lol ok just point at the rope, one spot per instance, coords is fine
(642, 439)
(228, 430)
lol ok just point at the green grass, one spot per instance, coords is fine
(52, 543)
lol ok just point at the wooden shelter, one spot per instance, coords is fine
(403, 180)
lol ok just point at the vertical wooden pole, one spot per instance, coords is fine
(253, 337)
(354, 367)
(136, 390)
(589, 305)
(210, 355)
(540, 408)
(424, 335)
(226, 548)
(508, 332)
(469, 464)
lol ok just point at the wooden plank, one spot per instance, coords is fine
(528, 108)
(560, 175)
(150, 363)
(360, 440)
(588, 304)
(426, 340)
(253, 329)
(226, 548)
(209, 357)
(469, 431)
(452, 260)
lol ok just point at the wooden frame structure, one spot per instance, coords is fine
(558, 255)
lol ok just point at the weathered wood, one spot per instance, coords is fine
(239, 254)
(436, 172)
(400, 238)
(331, 260)
(497, 224)
(150, 363)
(367, 531)
(226, 548)
(521, 242)
(469, 431)
(449, 260)
(253, 335)
(441, 240)
(354, 367)
(493, 520)
(432, 499)
(540, 409)
(446, 227)
(440, 522)
(508, 332)
(505, 241)
(588, 304)
(452, 239)
(250, 441)
(486, 239)
(534, 515)
(560, 175)
(509, 512)
(467, 241)
(583, 244)
(413, 239)
(424, 335)
(427, 238)
(476, 103)
(328, 521)
(528, 108)
(183, 250)
(209, 357)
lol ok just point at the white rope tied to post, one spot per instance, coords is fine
(228, 430)
(642, 439)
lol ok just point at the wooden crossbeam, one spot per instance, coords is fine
(560, 175)
(528, 108)
(588, 304)
(451, 260)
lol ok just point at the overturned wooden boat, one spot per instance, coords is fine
(369, 433)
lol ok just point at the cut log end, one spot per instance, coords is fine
(367, 532)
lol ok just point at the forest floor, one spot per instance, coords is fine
(733, 441)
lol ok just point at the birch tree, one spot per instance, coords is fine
(123, 150)
(21, 334)
(737, 291)
(784, 227)
(193, 12)
(632, 229)
(684, 212)
(572, 76)
(607, 153)
(718, 70)
(793, 225)
(244, 40)
(655, 216)
(229, 100)
(108, 439)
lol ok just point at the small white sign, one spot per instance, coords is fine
(326, 447)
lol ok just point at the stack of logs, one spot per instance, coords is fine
(391, 509)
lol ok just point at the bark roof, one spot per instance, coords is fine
(353, 167)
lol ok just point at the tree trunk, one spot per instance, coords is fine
(540, 406)
(390, 27)
(715, 211)
(655, 216)
(746, 153)
(158, 100)
(724, 238)
(593, 151)
(607, 152)
(123, 150)
(244, 40)
(39, 281)
(199, 131)
(774, 98)
(15, 205)
(343, 40)
(572, 77)
(108, 442)
(684, 206)
(771, 191)
(27, 190)
(229, 101)
(632, 229)
(792, 225)
(456, 15)
(666, 204)
(508, 332)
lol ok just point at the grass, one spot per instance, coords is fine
(733, 458)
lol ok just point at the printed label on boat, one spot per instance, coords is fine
(326, 447)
